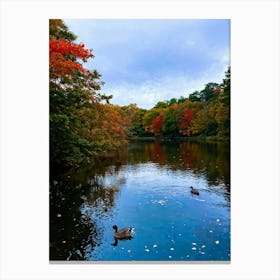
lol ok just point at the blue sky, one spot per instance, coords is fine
(144, 61)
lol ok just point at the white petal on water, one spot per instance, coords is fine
(128, 251)
(63, 241)
(193, 248)
(169, 257)
(146, 246)
(172, 249)
(179, 234)
(58, 215)
(188, 256)
(147, 250)
(203, 246)
(202, 253)
(211, 231)
(217, 241)
(193, 243)
(155, 245)
(217, 220)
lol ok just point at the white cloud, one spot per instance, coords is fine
(148, 93)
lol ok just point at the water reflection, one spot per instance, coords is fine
(85, 202)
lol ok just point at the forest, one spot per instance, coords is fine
(83, 123)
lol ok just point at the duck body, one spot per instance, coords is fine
(124, 233)
(194, 191)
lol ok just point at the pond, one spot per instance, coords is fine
(145, 186)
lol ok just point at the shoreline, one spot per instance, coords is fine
(181, 139)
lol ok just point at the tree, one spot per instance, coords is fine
(225, 96)
(186, 122)
(71, 88)
(63, 58)
(195, 96)
(170, 126)
(209, 91)
(58, 30)
(157, 124)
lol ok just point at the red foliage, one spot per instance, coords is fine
(217, 90)
(157, 124)
(186, 122)
(63, 55)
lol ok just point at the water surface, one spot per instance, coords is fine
(146, 186)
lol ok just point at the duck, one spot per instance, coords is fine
(124, 233)
(194, 191)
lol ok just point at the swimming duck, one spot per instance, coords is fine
(124, 233)
(194, 191)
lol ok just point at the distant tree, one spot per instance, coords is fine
(225, 98)
(195, 96)
(172, 101)
(186, 122)
(157, 124)
(181, 99)
(161, 104)
(148, 117)
(209, 91)
(170, 126)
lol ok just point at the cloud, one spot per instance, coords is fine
(148, 93)
(144, 61)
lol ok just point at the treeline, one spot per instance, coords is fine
(202, 113)
(83, 123)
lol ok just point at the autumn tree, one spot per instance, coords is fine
(157, 124)
(71, 88)
(186, 122)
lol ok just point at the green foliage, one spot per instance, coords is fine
(209, 109)
(58, 30)
(80, 125)
(170, 126)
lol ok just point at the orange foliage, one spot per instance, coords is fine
(63, 55)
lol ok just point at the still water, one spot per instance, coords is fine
(145, 186)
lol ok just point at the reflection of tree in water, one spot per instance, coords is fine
(74, 232)
(80, 199)
(210, 159)
(70, 231)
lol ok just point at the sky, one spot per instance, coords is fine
(145, 61)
